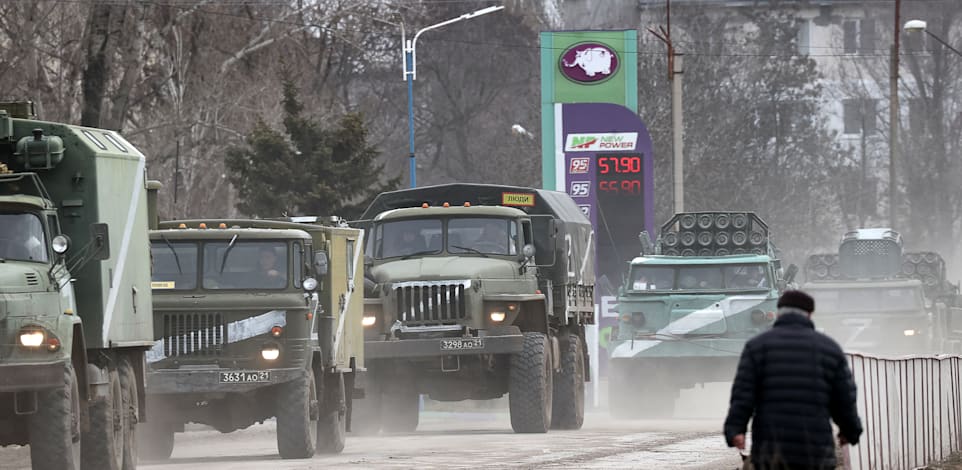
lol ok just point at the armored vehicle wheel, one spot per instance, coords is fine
(332, 420)
(530, 385)
(155, 440)
(622, 396)
(568, 399)
(399, 408)
(129, 413)
(297, 411)
(55, 427)
(103, 447)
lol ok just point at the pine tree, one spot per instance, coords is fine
(307, 169)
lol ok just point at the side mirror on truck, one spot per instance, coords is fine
(320, 263)
(100, 242)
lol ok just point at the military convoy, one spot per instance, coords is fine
(75, 320)
(475, 291)
(255, 319)
(708, 283)
(874, 298)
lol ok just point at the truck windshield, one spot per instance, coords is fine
(22, 238)
(174, 265)
(407, 237)
(868, 300)
(245, 265)
(714, 277)
(494, 236)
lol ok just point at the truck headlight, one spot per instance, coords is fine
(270, 353)
(497, 317)
(368, 320)
(909, 332)
(309, 284)
(32, 338)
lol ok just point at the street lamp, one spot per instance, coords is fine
(916, 26)
(410, 72)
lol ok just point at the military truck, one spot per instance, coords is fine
(873, 297)
(708, 283)
(255, 319)
(475, 291)
(75, 289)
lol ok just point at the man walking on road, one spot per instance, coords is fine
(792, 381)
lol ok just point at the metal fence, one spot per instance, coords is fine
(911, 409)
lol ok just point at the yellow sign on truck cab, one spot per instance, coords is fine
(517, 199)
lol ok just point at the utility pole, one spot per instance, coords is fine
(894, 119)
(675, 71)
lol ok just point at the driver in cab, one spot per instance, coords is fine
(268, 272)
(494, 238)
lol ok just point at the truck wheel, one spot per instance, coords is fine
(155, 440)
(103, 447)
(399, 408)
(332, 421)
(568, 400)
(620, 403)
(297, 412)
(130, 411)
(530, 385)
(55, 427)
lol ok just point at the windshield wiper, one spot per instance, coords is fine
(418, 253)
(472, 250)
(172, 250)
(230, 246)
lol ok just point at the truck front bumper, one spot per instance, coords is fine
(174, 381)
(21, 377)
(406, 348)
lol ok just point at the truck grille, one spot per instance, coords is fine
(430, 302)
(200, 334)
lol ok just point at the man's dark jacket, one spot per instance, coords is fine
(793, 379)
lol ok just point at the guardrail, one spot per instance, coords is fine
(911, 409)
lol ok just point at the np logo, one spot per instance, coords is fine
(589, 62)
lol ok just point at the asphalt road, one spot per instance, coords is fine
(473, 439)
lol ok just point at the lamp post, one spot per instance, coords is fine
(410, 73)
(894, 118)
(915, 26)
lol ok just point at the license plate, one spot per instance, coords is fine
(462, 343)
(241, 377)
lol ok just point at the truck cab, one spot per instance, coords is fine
(462, 281)
(253, 320)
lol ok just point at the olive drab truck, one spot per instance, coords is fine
(474, 291)
(874, 297)
(689, 304)
(255, 319)
(75, 289)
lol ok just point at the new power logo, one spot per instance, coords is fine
(601, 142)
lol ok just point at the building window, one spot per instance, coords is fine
(850, 36)
(858, 36)
(859, 116)
(804, 37)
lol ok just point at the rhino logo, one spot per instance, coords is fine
(589, 62)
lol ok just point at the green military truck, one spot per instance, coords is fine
(475, 291)
(75, 289)
(873, 297)
(255, 319)
(689, 303)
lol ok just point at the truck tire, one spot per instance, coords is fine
(332, 420)
(631, 398)
(130, 412)
(400, 407)
(297, 410)
(102, 448)
(155, 440)
(620, 402)
(55, 428)
(530, 386)
(568, 399)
